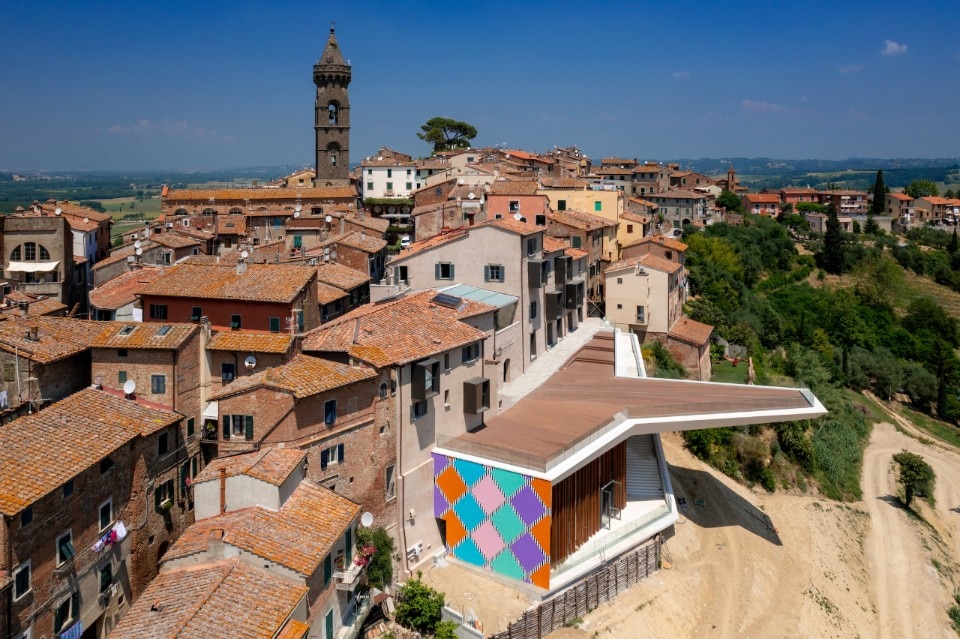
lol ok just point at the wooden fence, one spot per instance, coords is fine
(585, 595)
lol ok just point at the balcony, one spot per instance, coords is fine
(349, 578)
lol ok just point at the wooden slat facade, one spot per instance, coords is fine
(576, 501)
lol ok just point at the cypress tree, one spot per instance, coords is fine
(879, 195)
(833, 243)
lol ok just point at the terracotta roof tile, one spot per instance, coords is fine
(580, 220)
(634, 217)
(327, 293)
(436, 240)
(39, 307)
(226, 599)
(649, 260)
(691, 331)
(399, 331)
(341, 276)
(143, 335)
(174, 240)
(272, 465)
(259, 283)
(525, 187)
(552, 244)
(762, 198)
(294, 629)
(575, 253)
(39, 452)
(514, 226)
(302, 376)
(903, 197)
(565, 183)
(298, 536)
(354, 239)
(123, 289)
(666, 242)
(257, 194)
(246, 341)
(231, 225)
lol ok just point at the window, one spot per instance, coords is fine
(476, 395)
(106, 464)
(443, 271)
(158, 311)
(533, 346)
(597, 205)
(330, 412)
(389, 174)
(419, 409)
(576, 241)
(426, 379)
(163, 495)
(235, 320)
(389, 186)
(68, 488)
(106, 514)
(369, 171)
(531, 246)
(191, 427)
(641, 315)
(163, 444)
(383, 390)
(106, 577)
(471, 352)
(238, 426)
(65, 551)
(446, 362)
(533, 310)
(228, 372)
(26, 516)
(158, 384)
(327, 576)
(514, 206)
(331, 456)
(390, 483)
(493, 272)
(274, 324)
(196, 313)
(17, 254)
(409, 186)
(561, 205)
(126, 330)
(400, 272)
(66, 612)
(30, 251)
(21, 580)
(9, 372)
(369, 186)
(122, 376)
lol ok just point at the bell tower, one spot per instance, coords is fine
(332, 76)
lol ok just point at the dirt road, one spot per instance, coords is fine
(750, 564)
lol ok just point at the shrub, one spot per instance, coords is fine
(380, 566)
(419, 606)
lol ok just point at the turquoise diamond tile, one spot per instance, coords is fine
(506, 564)
(508, 524)
(509, 482)
(468, 551)
(469, 511)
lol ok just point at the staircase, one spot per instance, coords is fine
(643, 471)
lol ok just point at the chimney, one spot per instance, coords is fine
(24, 308)
(215, 544)
(223, 490)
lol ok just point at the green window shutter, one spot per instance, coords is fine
(436, 271)
(248, 426)
(58, 618)
(156, 498)
(340, 454)
(349, 544)
(486, 273)
(576, 241)
(226, 427)
(327, 570)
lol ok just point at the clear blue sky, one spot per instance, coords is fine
(210, 85)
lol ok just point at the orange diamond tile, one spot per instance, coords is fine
(544, 489)
(541, 576)
(455, 530)
(451, 485)
(541, 532)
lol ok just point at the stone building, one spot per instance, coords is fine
(332, 76)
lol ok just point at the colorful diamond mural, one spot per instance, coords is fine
(495, 518)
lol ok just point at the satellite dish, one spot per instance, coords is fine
(86, 219)
(244, 254)
(366, 519)
(139, 251)
(460, 181)
(250, 362)
(328, 219)
(296, 214)
(298, 208)
(517, 217)
(129, 387)
(470, 195)
(98, 380)
(137, 244)
(58, 211)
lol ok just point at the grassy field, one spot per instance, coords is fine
(916, 286)
(728, 373)
(139, 210)
(934, 427)
(871, 410)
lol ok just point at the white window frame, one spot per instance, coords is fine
(390, 482)
(16, 571)
(69, 534)
(109, 503)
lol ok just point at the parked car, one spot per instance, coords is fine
(404, 241)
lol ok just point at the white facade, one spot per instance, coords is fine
(398, 180)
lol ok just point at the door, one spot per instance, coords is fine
(328, 625)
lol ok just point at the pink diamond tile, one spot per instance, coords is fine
(488, 494)
(488, 540)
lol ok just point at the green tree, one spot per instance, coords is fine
(419, 606)
(921, 188)
(949, 194)
(871, 227)
(446, 134)
(833, 243)
(730, 201)
(380, 564)
(810, 207)
(879, 195)
(916, 475)
(954, 244)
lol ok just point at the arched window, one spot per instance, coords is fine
(333, 113)
(235, 211)
(15, 256)
(181, 211)
(44, 253)
(383, 390)
(333, 159)
(30, 252)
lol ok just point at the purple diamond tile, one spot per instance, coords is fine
(440, 504)
(528, 553)
(439, 463)
(528, 505)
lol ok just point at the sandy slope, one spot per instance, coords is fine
(815, 568)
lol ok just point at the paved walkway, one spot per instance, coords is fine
(548, 363)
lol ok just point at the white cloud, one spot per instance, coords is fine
(761, 107)
(850, 69)
(680, 75)
(168, 128)
(893, 48)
